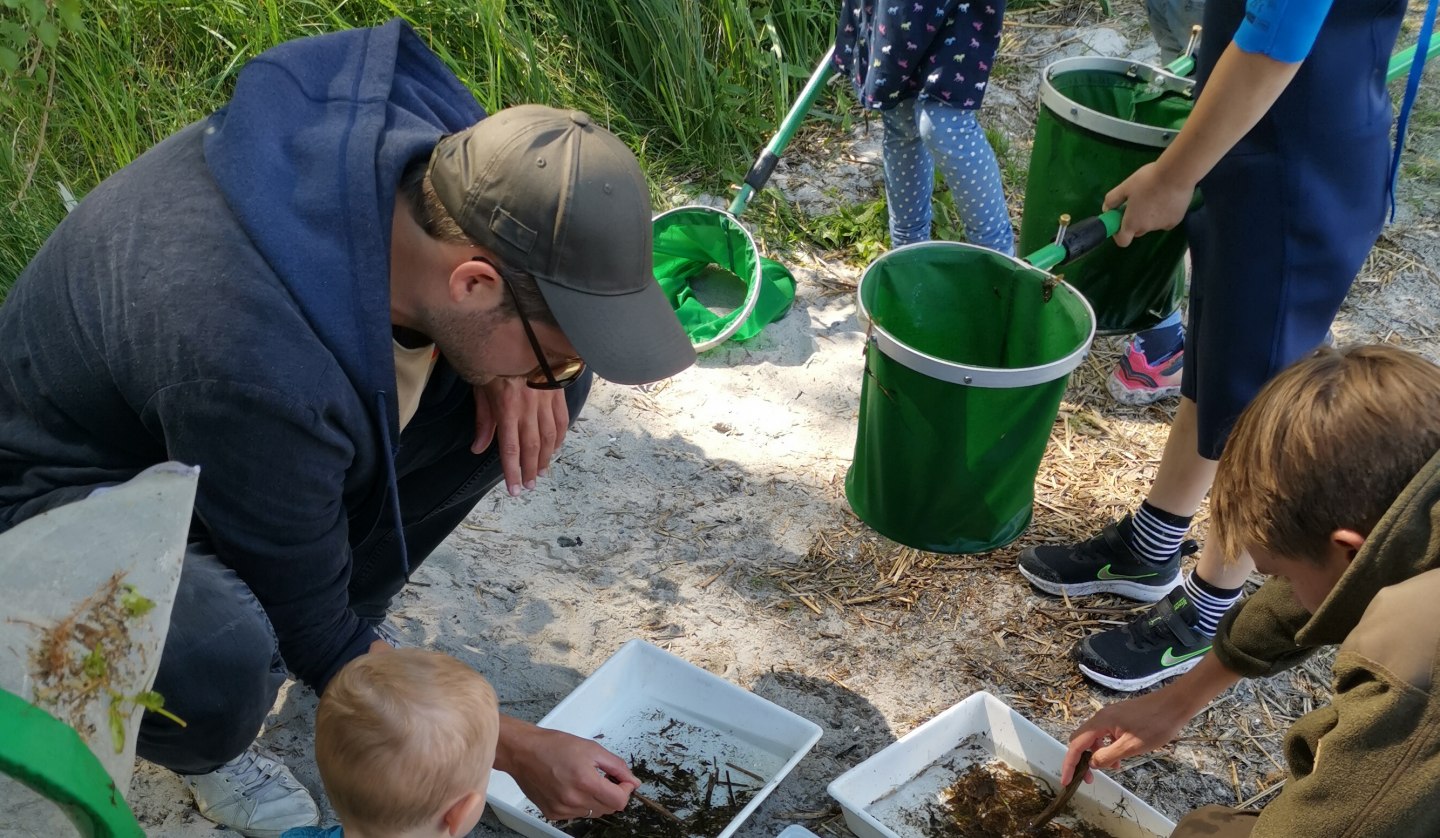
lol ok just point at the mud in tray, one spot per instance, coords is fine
(915, 788)
(707, 751)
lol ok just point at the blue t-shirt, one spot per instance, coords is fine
(1284, 30)
(313, 832)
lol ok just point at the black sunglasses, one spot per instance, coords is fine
(544, 376)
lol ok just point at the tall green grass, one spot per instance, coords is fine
(694, 86)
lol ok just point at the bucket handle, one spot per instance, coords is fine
(1076, 240)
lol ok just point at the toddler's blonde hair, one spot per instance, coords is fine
(401, 735)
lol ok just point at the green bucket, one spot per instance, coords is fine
(1101, 119)
(967, 355)
(697, 246)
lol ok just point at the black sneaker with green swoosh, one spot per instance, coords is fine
(1160, 643)
(1103, 565)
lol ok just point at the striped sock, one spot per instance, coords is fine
(1211, 602)
(1154, 534)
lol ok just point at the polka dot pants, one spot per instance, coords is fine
(918, 137)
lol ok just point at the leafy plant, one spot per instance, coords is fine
(150, 700)
(861, 231)
(28, 30)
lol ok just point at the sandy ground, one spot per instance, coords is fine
(677, 513)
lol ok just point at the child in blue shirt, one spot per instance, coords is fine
(925, 64)
(405, 740)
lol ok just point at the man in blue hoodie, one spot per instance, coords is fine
(329, 295)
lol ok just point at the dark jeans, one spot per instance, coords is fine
(221, 668)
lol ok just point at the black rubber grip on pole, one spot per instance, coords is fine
(760, 173)
(1083, 237)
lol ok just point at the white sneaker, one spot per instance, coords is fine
(255, 795)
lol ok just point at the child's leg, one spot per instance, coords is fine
(1150, 366)
(1184, 477)
(909, 176)
(1170, 22)
(958, 144)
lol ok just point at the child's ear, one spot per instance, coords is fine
(1348, 542)
(464, 813)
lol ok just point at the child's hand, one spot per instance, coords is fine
(1134, 726)
(1153, 200)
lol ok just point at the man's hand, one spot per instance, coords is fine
(565, 776)
(529, 423)
(1153, 200)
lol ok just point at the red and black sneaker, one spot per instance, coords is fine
(1136, 380)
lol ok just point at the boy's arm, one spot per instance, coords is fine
(1239, 92)
(1367, 764)
(1151, 721)
(1256, 637)
(1254, 70)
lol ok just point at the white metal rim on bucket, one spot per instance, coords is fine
(965, 374)
(752, 287)
(1114, 127)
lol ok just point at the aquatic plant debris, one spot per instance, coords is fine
(992, 800)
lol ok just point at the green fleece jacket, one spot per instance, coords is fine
(1368, 763)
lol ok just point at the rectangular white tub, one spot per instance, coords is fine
(877, 794)
(635, 695)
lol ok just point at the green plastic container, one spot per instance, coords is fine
(1101, 119)
(967, 355)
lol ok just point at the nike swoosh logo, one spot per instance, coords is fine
(1106, 574)
(1169, 659)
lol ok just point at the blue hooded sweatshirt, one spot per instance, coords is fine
(224, 301)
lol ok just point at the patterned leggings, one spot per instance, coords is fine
(921, 135)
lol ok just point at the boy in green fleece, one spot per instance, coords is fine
(1331, 480)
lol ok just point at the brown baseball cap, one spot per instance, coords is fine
(561, 198)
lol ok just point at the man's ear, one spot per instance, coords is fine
(464, 813)
(475, 283)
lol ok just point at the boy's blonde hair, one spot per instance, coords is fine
(401, 735)
(1328, 444)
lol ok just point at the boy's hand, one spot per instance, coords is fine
(565, 776)
(1139, 725)
(1134, 726)
(1153, 201)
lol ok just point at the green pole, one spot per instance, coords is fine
(1182, 66)
(1077, 240)
(1400, 61)
(760, 172)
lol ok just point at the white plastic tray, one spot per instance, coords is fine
(797, 831)
(635, 695)
(877, 794)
